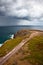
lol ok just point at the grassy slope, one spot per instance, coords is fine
(9, 45)
(36, 47)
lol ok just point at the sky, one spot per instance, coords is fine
(21, 12)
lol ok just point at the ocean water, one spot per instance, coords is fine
(6, 32)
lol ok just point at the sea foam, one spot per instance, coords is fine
(12, 36)
(1, 45)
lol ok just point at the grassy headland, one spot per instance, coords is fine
(30, 54)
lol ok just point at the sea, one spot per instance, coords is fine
(7, 32)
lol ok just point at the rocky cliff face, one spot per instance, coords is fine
(21, 33)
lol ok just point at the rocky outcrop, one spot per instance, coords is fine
(21, 33)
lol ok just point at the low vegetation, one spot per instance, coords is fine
(9, 45)
(36, 51)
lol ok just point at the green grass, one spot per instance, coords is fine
(9, 45)
(36, 47)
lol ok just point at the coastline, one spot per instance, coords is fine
(12, 36)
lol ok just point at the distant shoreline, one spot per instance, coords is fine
(22, 25)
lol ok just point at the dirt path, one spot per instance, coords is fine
(34, 34)
(6, 57)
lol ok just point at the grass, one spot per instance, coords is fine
(9, 45)
(36, 47)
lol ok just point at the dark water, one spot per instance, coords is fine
(7, 31)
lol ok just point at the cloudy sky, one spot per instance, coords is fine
(21, 12)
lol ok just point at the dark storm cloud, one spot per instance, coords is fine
(8, 21)
(15, 12)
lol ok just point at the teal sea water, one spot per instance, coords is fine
(7, 31)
